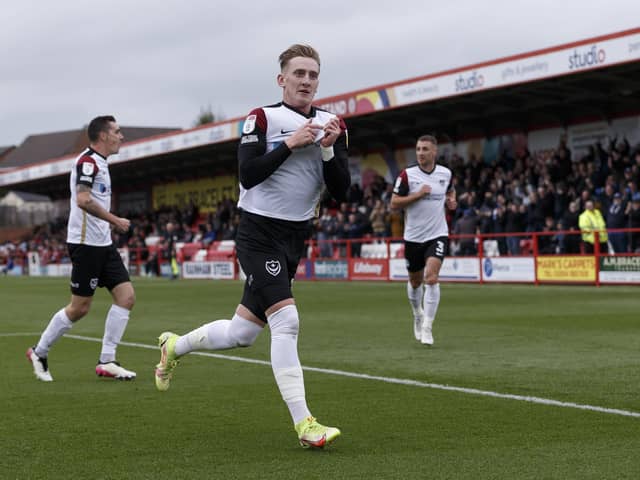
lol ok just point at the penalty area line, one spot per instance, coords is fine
(378, 378)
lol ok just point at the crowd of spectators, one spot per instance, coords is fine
(543, 191)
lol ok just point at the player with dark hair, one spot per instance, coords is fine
(423, 191)
(288, 152)
(96, 261)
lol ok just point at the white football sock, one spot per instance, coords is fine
(58, 326)
(431, 301)
(219, 335)
(284, 325)
(415, 298)
(114, 326)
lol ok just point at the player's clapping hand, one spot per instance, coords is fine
(303, 136)
(331, 132)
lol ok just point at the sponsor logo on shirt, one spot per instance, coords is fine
(102, 188)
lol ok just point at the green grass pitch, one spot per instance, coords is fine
(224, 419)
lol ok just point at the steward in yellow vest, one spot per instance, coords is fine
(590, 221)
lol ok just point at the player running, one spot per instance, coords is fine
(423, 191)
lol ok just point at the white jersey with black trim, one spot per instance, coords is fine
(425, 218)
(90, 169)
(293, 190)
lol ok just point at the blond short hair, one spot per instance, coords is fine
(298, 50)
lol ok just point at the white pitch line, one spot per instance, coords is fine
(397, 381)
(21, 334)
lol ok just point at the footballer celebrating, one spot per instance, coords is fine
(288, 153)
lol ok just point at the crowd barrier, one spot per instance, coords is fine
(557, 257)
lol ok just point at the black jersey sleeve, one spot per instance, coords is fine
(86, 171)
(336, 171)
(255, 164)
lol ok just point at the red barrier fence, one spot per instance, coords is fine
(526, 257)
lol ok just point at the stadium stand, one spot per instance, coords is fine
(525, 155)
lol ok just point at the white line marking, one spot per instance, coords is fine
(37, 334)
(364, 376)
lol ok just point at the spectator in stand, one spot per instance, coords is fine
(396, 222)
(379, 219)
(561, 200)
(535, 216)
(499, 221)
(514, 222)
(186, 233)
(633, 209)
(388, 192)
(354, 230)
(548, 243)
(547, 201)
(486, 220)
(355, 194)
(467, 225)
(606, 197)
(209, 235)
(570, 242)
(632, 189)
(590, 222)
(326, 232)
(231, 230)
(171, 237)
(340, 235)
(616, 217)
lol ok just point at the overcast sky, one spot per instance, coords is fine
(157, 63)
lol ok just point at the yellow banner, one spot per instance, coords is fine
(566, 269)
(206, 193)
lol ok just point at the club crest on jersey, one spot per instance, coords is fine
(87, 168)
(249, 124)
(273, 267)
(442, 182)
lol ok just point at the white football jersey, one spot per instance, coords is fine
(424, 219)
(293, 191)
(90, 169)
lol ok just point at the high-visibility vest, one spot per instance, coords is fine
(591, 221)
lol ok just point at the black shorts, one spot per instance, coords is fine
(95, 267)
(416, 254)
(269, 251)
